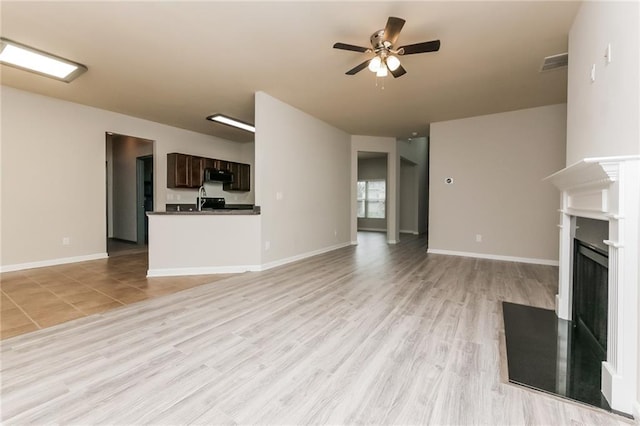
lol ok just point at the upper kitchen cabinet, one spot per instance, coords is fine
(179, 170)
(188, 171)
(241, 177)
(198, 165)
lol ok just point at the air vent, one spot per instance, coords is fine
(555, 62)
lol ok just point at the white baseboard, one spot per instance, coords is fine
(549, 262)
(406, 231)
(52, 262)
(354, 243)
(636, 412)
(174, 272)
(392, 241)
(295, 258)
(373, 229)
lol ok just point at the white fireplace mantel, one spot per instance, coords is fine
(607, 188)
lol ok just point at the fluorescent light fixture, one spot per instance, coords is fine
(29, 59)
(232, 122)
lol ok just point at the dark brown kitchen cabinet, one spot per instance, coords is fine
(241, 177)
(198, 165)
(179, 170)
(188, 171)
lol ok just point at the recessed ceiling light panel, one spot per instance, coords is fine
(223, 119)
(29, 59)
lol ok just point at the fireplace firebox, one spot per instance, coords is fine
(590, 295)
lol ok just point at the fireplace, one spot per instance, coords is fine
(604, 189)
(590, 301)
(590, 295)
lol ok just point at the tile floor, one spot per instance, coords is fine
(38, 298)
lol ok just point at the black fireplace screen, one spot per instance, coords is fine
(590, 293)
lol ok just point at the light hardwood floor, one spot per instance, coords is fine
(372, 334)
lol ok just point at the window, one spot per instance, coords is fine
(371, 199)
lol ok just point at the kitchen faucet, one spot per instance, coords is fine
(201, 194)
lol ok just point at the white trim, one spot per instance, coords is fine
(392, 241)
(495, 257)
(636, 412)
(173, 272)
(354, 243)
(295, 258)
(52, 262)
(406, 231)
(373, 229)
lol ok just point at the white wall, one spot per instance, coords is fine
(126, 150)
(377, 144)
(603, 116)
(372, 169)
(302, 181)
(497, 163)
(53, 174)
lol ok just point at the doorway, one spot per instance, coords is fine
(372, 191)
(144, 196)
(129, 192)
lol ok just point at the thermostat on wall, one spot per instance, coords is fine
(448, 181)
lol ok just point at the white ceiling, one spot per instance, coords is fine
(177, 62)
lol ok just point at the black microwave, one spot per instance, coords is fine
(216, 175)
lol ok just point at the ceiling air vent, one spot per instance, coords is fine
(555, 62)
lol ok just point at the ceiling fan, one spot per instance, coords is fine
(386, 56)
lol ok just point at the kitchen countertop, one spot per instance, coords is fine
(215, 212)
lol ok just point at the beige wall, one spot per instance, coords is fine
(302, 181)
(408, 197)
(417, 152)
(497, 163)
(53, 174)
(603, 115)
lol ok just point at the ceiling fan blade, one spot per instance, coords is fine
(351, 47)
(427, 46)
(358, 68)
(392, 30)
(398, 72)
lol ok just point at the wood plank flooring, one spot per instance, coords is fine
(373, 334)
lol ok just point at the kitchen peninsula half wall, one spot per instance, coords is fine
(207, 242)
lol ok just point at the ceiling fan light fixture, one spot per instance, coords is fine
(382, 71)
(392, 63)
(374, 64)
(29, 59)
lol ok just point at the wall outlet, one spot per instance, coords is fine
(66, 241)
(267, 245)
(478, 238)
(279, 195)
